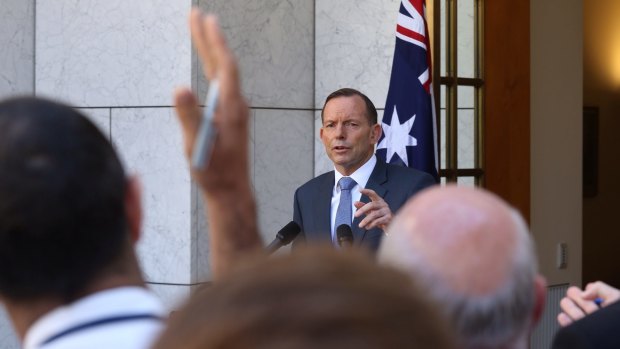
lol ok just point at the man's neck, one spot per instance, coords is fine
(24, 314)
(349, 171)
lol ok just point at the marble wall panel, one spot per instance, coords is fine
(465, 38)
(466, 97)
(8, 337)
(172, 296)
(354, 47)
(274, 43)
(201, 266)
(17, 42)
(322, 163)
(150, 144)
(112, 53)
(283, 161)
(466, 139)
(201, 269)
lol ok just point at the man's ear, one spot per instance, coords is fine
(540, 292)
(375, 133)
(133, 207)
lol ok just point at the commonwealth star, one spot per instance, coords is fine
(397, 138)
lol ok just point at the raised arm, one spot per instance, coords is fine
(225, 182)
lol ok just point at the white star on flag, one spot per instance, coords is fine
(397, 138)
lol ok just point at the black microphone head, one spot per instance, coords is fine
(344, 233)
(288, 233)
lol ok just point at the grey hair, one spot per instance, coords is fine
(500, 320)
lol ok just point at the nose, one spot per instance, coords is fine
(340, 131)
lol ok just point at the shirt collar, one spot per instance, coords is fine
(360, 176)
(121, 300)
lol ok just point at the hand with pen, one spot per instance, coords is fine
(230, 151)
(579, 303)
(223, 175)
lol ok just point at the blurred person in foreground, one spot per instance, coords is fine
(316, 298)
(473, 253)
(69, 222)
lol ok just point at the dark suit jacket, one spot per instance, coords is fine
(312, 207)
(600, 329)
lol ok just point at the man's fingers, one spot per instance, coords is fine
(377, 212)
(591, 291)
(571, 309)
(189, 115)
(602, 290)
(363, 208)
(371, 194)
(198, 28)
(564, 320)
(370, 223)
(220, 52)
(377, 223)
(376, 218)
(370, 217)
(575, 294)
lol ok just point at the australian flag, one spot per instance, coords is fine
(409, 126)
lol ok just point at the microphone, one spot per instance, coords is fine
(284, 237)
(344, 236)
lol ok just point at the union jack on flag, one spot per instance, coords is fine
(409, 127)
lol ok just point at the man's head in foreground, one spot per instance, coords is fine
(474, 254)
(68, 214)
(315, 298)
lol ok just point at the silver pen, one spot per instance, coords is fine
(207, 132)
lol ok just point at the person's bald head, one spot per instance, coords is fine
(476, 256)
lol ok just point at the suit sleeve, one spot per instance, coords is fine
(569, 338)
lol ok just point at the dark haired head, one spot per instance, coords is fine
(62, 187)
(371, 111)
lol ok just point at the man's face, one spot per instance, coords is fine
(347, 135)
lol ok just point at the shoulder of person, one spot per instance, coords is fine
(408, 172)
(314, 183)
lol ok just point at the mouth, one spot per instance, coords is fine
(340, 148)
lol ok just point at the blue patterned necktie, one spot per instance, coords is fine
(343, 214)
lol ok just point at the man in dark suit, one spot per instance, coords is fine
(373, 189)
(585, 324)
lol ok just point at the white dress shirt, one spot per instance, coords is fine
(360, 176)
(119, 318)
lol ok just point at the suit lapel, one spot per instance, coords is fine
(323, 207)
(375, 182)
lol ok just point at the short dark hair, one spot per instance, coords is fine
(62, 189)
(314, 298)
(371, 111)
